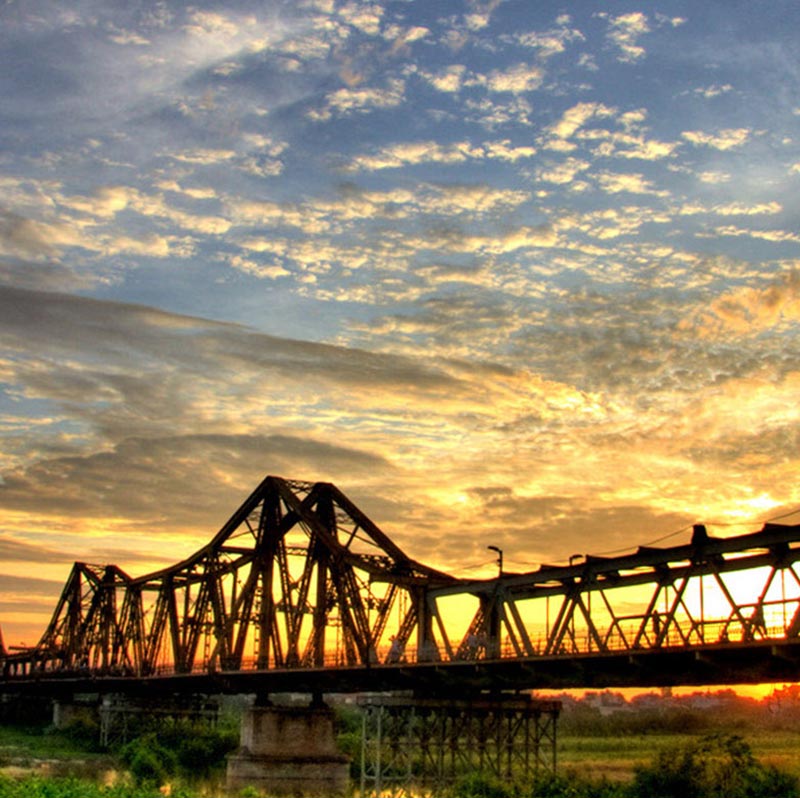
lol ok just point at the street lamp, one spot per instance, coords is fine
(574, 557)
(499, 557)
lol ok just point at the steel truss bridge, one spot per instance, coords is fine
(301, 591)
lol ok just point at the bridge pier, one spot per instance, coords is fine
(289, 751)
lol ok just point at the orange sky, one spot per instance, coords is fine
(506, 275)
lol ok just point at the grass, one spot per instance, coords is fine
(49, 752)
(613, 758)
(616, 757)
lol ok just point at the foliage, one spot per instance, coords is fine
(718, 766)
(715, 766)
(190, 751)
(36, 787)
(149, 762)
(348, 730)
(571, 785)
(588, 721)
(481, 785)
(83, 733)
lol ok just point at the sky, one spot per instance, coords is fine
(507, 273)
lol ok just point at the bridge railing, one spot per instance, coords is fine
(715, 634)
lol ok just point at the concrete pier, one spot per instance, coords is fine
(289, 751)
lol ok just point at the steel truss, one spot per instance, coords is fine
(709, 593)
(299, 578)
(415, 746)
(120, 715)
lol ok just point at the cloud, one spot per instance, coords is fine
(28, 238)
(401, 37)
(577, 116)
(628, 147)
(749, 311)
(448, 80)
(624, 32)
(564, 172)
(50, 275)
(203, 157)
(360, 100)
(366, 17)
(491, 112)
(712, 91)
(776, 236)
(733, 209)
(517, 79)
(28, 585)
(354, 205)
(615, 183)
(552, 42)
(148, 470)
(396, 156)
(722, 140)
(148, 386)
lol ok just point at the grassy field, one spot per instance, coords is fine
(615, 757)
(38, 752)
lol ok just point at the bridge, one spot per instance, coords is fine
(301, 592)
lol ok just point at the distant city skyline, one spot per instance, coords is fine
(507, 274)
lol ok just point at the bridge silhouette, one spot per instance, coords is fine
(301, 592)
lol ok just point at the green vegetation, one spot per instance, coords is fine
(46, 763)
(712, 767)
(607, 748)
(607, 736)
(37, 787)
(717, 767)
(178, 751)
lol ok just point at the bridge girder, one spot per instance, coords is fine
(300, 579)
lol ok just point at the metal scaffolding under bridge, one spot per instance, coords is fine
(411, 746)
(301, 591)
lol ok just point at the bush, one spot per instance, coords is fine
(716, 767)
(203, 751)
(149, 762)
(572, 786)
(192, 751)
(480, 785)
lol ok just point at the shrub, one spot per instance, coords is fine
(148, 761)
(193, 751)
(716, 767)
(573, 786)
(202, 752)
(481, 785)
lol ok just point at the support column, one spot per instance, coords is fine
(289, 751)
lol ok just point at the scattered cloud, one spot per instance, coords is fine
(722, 140)
(361, 100)
(624, 32)
(749, 311)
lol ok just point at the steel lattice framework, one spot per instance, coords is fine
(299, 580)
(413, 746)
(296, 565)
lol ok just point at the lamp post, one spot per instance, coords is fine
(499, 557)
